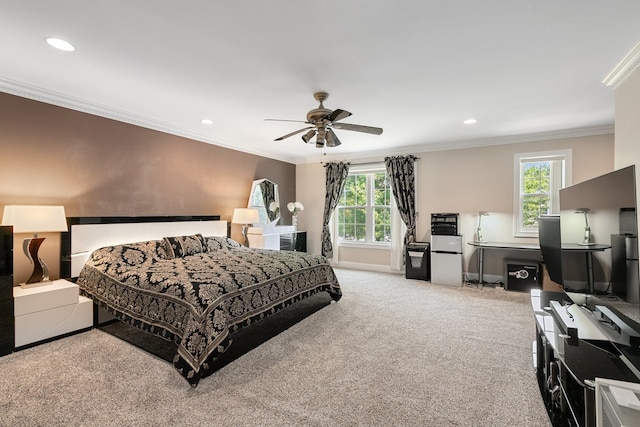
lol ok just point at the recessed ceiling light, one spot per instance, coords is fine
(60, 44)
(470, 122)
(206, 121)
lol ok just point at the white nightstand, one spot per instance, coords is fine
(50, 310)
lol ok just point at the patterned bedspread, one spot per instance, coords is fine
(196, 290)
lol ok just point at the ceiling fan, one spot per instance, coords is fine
(323, 121)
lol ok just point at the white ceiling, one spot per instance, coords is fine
(415, 68)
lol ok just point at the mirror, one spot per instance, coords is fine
(265, 198)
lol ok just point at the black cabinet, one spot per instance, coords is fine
(7, 320)
(294, 241)
(572, 350)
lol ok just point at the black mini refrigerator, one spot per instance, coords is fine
(417, 261)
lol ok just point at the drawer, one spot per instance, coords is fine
(44, 297)
(41, 325)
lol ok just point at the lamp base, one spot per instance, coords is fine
(245, 228)
(35, 284)
(40, 270)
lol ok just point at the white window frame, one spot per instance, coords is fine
(561, 177)
(362, 170)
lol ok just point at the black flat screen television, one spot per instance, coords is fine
(599, 319)
(600, 211)
(596, 212)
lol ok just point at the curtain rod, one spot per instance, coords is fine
(377, 162)
(370, 163)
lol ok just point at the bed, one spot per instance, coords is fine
(187, 282)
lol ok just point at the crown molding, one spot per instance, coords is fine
(474, 143)
(61, 100)
(65, 101)
(625, 68)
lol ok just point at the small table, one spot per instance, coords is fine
(481, 246)
(574, 247)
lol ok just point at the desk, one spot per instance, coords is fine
(573, 247)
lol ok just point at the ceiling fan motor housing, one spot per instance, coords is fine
(317, 115)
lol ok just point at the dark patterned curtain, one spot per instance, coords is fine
(268, 189)
(336, 178)
(402, 178)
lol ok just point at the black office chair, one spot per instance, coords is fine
(551, 246)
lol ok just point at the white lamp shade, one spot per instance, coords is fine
(35, 219)
(245, 216)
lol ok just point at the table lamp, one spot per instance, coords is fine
(35, 219)
(245, 216)
(479, 229)
(586, 240)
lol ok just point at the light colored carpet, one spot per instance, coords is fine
(391, 352)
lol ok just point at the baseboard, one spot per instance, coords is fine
(486, 278)
(367, 267)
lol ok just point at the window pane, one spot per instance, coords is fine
(355, 191)
(381, 190)
(536, 177)
(346, 219)
(360, 190)
(382, 233)
(363, 214)
(382, 225)
(539, 177)
(532, 208)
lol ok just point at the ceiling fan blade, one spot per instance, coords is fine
(285, 120)
(293, 133)
(358, 128)
(338, 115)
(332, 139)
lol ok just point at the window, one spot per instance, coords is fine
(364, 210)
(539, 178)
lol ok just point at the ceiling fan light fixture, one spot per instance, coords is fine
(320, 138)
(332, 139)
(307, 136)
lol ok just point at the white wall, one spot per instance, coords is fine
(627, 140)
(463, 181)
(627, 107)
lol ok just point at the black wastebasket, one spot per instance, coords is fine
(417, 261)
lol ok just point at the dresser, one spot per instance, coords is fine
(280, 238)
(6, 291)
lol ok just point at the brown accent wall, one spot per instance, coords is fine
(97, 167)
